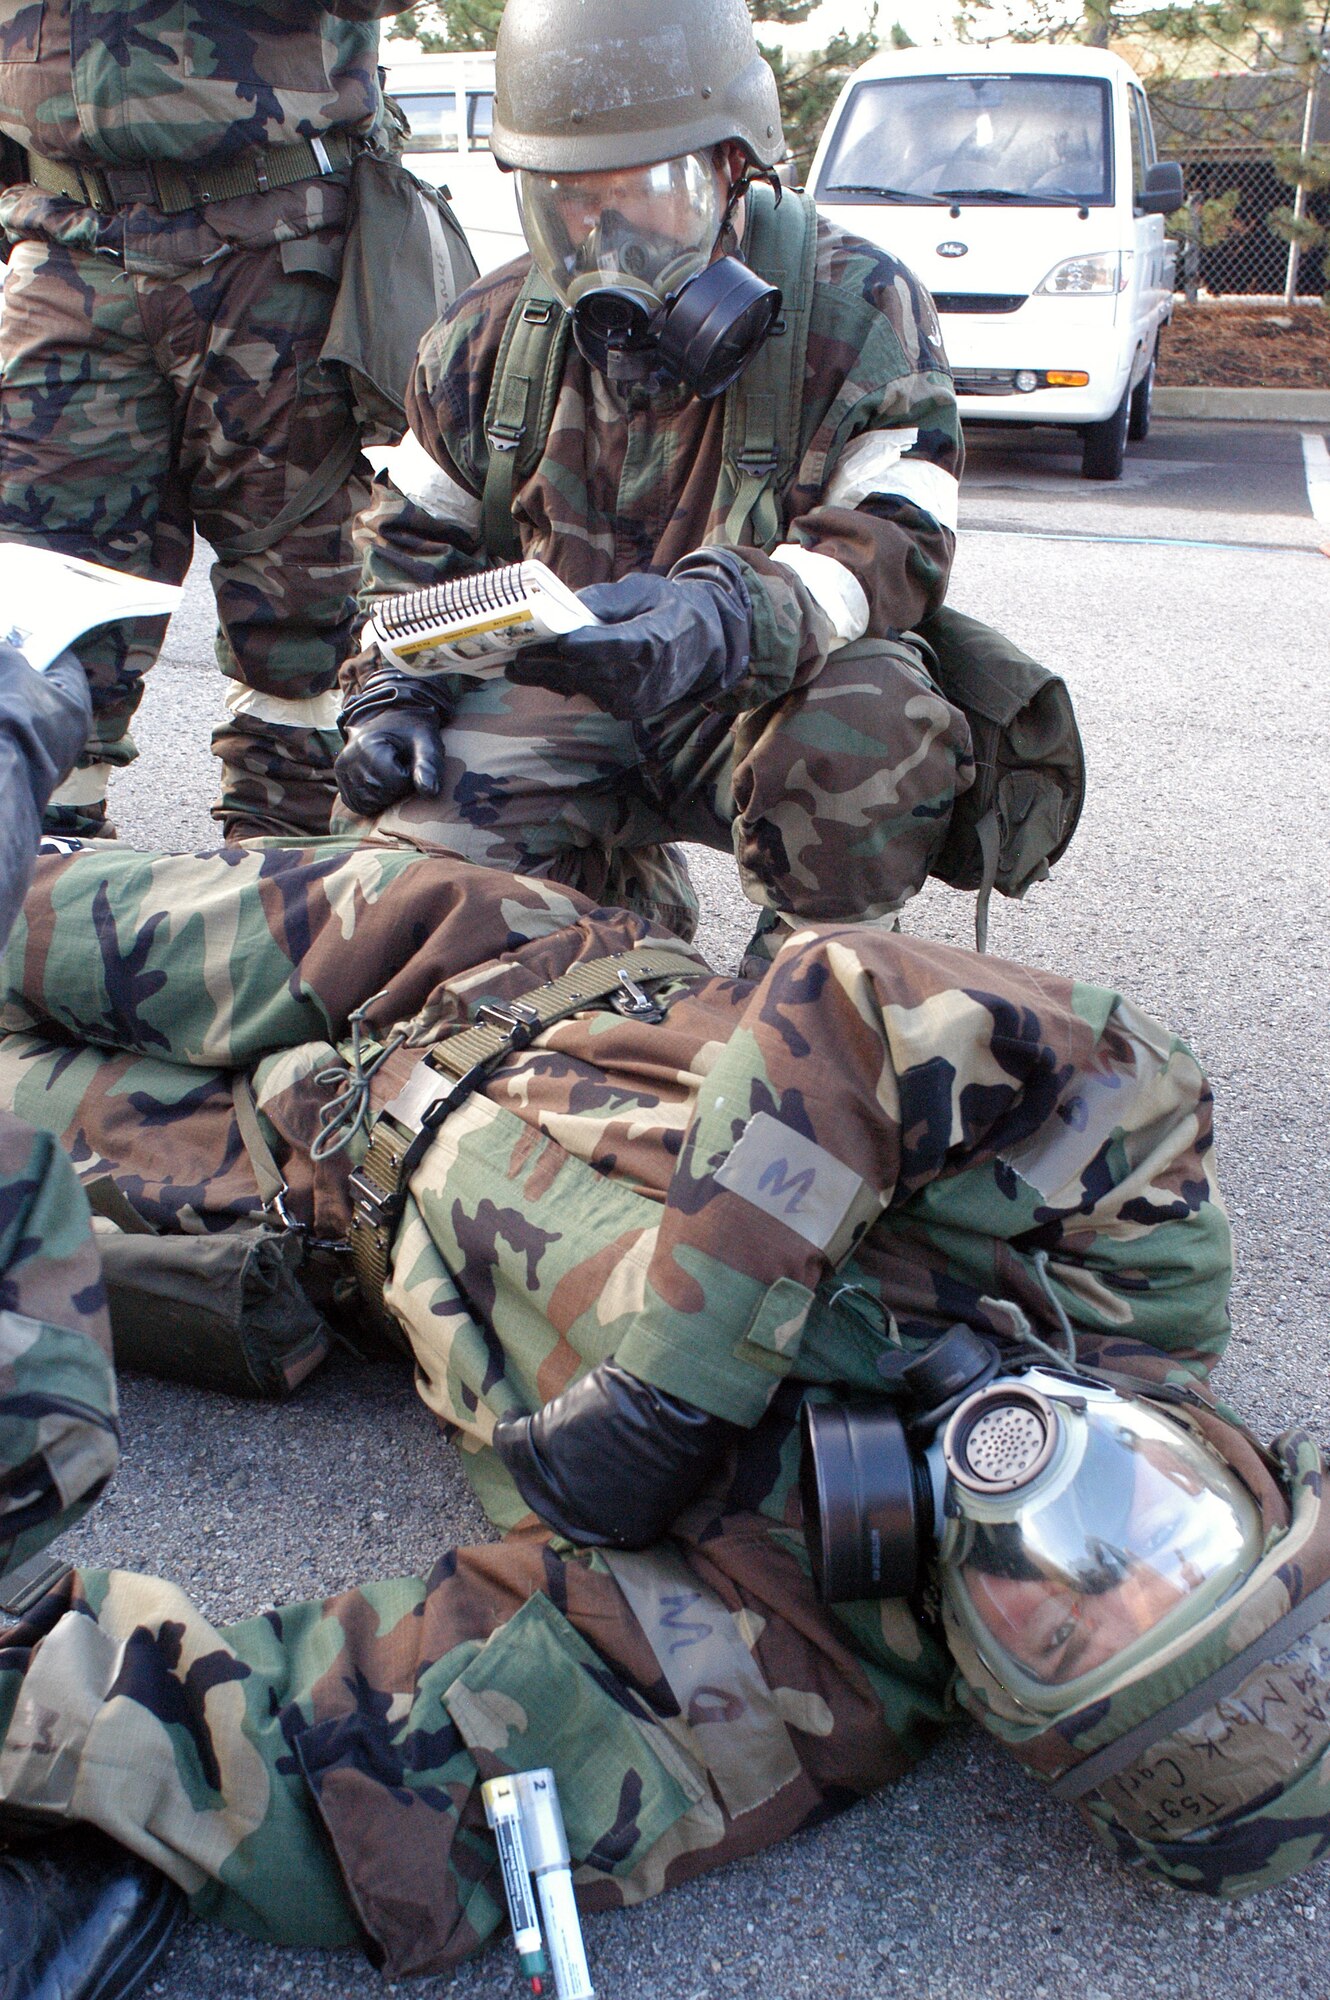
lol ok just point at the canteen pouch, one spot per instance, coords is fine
(404, 261)
(1019, 815)
(223, 1312)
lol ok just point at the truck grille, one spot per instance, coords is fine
(984, 381)
(979, 302)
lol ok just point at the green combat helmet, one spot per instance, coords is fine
(586, 85)
(1202, 1756)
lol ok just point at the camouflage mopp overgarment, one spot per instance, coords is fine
(1000, 1145)
(829, 769)
(59, 1438)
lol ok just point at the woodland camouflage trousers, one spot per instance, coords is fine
(834, 800)
(312, 1775)
(59, 1440)
(135, 407)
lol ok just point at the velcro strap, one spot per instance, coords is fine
(1122, 1753)
(447, 1074)
(175, 185)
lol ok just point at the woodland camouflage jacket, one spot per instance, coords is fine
(625, 489)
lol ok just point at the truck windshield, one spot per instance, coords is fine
(1027, 139)
(432, 115)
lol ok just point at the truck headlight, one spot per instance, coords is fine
(1101, 271)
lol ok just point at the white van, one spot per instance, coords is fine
(449, 102)
(1021, 185)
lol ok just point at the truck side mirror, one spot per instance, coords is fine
(1163, 190)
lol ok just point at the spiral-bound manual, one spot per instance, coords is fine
(474, 624)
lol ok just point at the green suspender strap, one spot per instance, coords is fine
(448, 1073)
(764, 408)
(521, 407)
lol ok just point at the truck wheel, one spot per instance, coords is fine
(1106, 443)
(1142, 396)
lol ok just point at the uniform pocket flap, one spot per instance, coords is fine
(537, 1694)
(776, 1328)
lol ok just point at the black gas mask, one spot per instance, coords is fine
(632, 255)
(703, 336)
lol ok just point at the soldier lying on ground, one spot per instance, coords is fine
(760, 555)
(59, 1442)
(763, 1195)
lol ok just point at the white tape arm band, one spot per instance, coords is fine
(876, 465)
(314, 711)
(834, 588)
(418, 479)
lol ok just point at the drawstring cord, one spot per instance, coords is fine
(344, 1115)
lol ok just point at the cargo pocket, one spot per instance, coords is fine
(536, 1694)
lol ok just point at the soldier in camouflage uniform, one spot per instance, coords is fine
(762, 696)
(59, 1440)
(973, 1141)
(174, 259)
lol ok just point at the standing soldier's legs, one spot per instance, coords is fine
(130, 402)
(85, 452)
(269, 451)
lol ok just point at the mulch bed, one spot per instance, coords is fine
(1246, 347)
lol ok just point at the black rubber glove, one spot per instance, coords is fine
(394, 741)
(665, 637)
(43, 726)
(612, 1460)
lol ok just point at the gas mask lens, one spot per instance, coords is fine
(638, 232)
(1076, 1530)
(631, 254)
(1080, 1529)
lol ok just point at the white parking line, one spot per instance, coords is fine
(1316, 462)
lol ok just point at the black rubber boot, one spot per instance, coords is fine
(81, 1919)
(612, 1461)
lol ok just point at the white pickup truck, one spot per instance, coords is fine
(1020, 183)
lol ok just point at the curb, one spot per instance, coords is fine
(1246, 406)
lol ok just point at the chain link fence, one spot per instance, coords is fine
(1239, 139)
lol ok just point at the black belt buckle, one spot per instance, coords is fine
(127, 184)
(374, 1208)
(29, 1583)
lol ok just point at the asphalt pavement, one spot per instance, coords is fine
(1196, 883)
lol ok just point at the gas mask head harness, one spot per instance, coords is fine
(1076, 1529)
(632, 253)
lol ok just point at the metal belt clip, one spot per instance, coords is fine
(375, 1208)
(320, 152)
(634, 1003)
(515, 1019)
